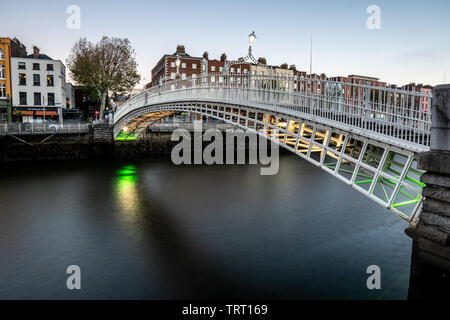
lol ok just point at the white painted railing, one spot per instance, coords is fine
(19, 128)
(402, 114)
(188, 126)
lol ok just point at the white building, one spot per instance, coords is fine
(70, 96)
(39, 88)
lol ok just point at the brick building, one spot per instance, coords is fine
(166, 68)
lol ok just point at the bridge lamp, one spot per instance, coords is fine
(177, 63)
(125, 129)
(251, 38)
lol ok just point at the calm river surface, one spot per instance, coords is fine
(152, 230)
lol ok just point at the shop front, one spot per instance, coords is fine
(36, 114)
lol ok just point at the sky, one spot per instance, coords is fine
(411, 45)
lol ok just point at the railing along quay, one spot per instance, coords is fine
(16, 128)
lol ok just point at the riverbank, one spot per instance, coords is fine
(96, 144)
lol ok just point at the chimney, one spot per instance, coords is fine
(284, 66)
(205, 55)
(180, 49)
(262, 60)
(223, 57)
(292, 67)
(35, 52)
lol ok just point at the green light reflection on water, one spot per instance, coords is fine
(127, 191)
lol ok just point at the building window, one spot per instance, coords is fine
(49, 67)
(238, 70)
(37, 98)
(2, 55)
(183, 76)
(220, 79)
(213, 68)
(36, 80)
(2, 71)
(172, 64)
(183, 65)
(220, 69)
(2, 91)
(50, 82)
(194, 66)
(232, 70)
(22, 65)
(36, 66)
(213, 79)
(22, 79)
(51, 99)
(173, 75)
(245, 71)
(23, 98)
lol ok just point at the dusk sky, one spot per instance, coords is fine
(412, 45)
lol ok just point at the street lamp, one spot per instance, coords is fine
(251, 38)
(249, 57)
(177, 63)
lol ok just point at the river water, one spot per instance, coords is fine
(148, 229)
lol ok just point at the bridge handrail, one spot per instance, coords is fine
(351, 103)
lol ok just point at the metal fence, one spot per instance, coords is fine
(189, 126)
(392, 112)
(19, 128)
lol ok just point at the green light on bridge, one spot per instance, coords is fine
(127, 136)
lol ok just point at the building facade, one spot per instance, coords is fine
(39, 88)
(8, 48)
(166, 68)
(70, 96)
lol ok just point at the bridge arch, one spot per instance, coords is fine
(371, 154)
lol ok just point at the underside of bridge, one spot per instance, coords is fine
(134, 128)
(386, 173)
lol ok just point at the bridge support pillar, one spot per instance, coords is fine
(430, 261)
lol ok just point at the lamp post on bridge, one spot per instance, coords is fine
(177, 64)
(251, 39)
(248, 57)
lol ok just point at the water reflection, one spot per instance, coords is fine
(127, 192)
(153, 230)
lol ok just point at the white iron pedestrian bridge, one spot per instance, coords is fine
(366, 136)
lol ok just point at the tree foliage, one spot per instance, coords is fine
(108, 66)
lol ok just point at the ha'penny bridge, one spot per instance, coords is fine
(366, 136)
(390, 144)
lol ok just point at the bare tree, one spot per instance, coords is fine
(107, 66)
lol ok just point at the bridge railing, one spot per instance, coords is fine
(188, 126)
(19, 128)
(398, 113)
